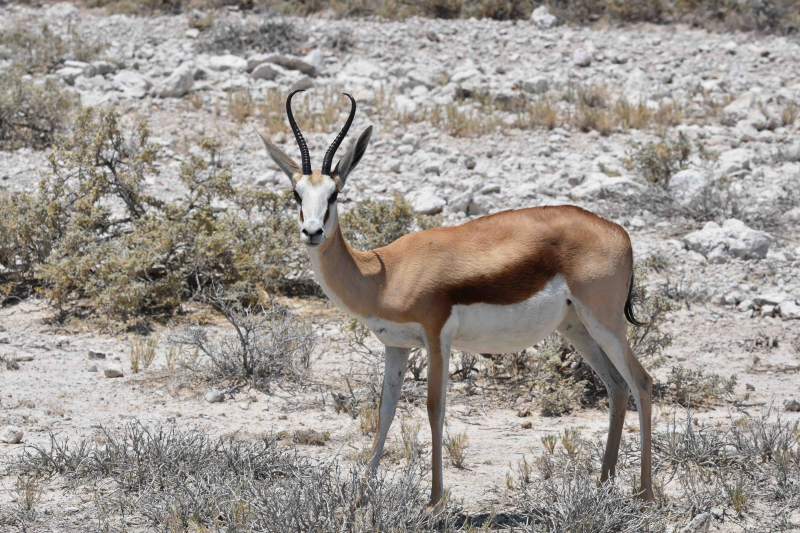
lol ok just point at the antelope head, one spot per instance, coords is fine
(315, 191)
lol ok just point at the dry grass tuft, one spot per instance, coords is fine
(143, 351)
(368, 419)
(455, 446)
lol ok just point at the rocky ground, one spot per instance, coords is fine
(721, 238)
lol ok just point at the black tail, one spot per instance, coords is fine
(629, 305)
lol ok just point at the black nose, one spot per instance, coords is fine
(317, 233)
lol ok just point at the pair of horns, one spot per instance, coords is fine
(301, 142)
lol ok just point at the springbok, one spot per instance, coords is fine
(496, 284)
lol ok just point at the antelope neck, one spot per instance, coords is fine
(351, 279)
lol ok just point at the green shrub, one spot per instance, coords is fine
(373, 224)
(693, 388)
(31, 113)
(92, 237)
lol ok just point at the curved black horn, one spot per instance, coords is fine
(326, 163)
(299, 136)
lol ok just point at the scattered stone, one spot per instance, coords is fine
(227, 62)
(26, 358)
(244, 406)
(425, 201)
(113, 372)
(791, 405)
(460, 203)
(687, 186)
(178, 83)
(542, 17)
(96, 355)
(581, 58)
(131, 83)
(104, 67)
(749, 387)
(733, 239)
(11, 435)
(789, 310)
(734, 160)
(302, 84)
(215, 396)
(598, 185)
(265, 71)
(68, 74)
(537, 85)
(92, 368)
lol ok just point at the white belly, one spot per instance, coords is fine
(486, 328)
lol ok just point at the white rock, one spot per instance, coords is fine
(265, 71)
(131, 83)
(192, 33)
(738, 109)
(598, 185)
(460, 203)
(542, 17)
(425, 201)
(789, 310)
(687, 186)
(463, 75)
(227, 62)
(363, 68)
(287, 62)
(734, 160)
(92, 368)
(215, 396)
(178, 83)
(62, 10)
(11, 435)
(733, 239)
(68, 74)
(302, 84)
(536, 85)
(244, 406)
(104, 67)
(581, 58)
(315, 59)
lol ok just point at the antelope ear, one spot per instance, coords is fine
(284, 162)
(350, 159)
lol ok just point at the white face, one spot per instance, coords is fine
(316, 208)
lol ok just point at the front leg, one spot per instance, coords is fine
(394, 373)
(438, 370)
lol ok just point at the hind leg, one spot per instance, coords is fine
(609, 329)
(576, 334)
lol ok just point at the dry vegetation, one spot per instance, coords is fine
(90, 234)
(177, 479)
(775, 16)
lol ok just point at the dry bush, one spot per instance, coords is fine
(694, 388)
(266, 344)
(92, 237)
(455, 446)
(658, 161)
(373, 224)
(310, 437)
(272, 35)
(40, 50)
(184, 480)
(31, 113)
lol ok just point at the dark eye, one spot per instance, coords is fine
(297, 198)
(333, 197)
